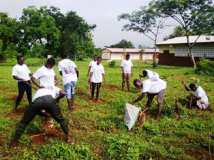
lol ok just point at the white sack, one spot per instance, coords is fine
(131, 115)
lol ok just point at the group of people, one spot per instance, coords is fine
(47, 95)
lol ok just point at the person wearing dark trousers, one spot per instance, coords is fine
(44, 99)
(96, 78)
(95, 87)
(22, 74)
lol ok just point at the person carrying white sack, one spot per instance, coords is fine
(151, 89)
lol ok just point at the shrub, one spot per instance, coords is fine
(206, 67)
(63, 151)
(112, 63)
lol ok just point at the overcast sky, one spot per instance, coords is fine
(103, 13)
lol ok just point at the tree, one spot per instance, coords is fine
(38, 27)
(144, 21)
(8, 32)
(123, 44)
(75, 33)
(178, 32)
(193, 16)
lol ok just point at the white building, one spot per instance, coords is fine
(135, 54)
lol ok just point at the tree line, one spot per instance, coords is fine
(43, 31)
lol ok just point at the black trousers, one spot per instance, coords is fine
(22, 88)
(95, 86)
(46, 103)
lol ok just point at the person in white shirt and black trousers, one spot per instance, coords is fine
(96, 78)
(22, 74)
(126, 68)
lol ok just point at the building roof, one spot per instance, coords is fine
(131, 50)
(183, 40)
(119, 50)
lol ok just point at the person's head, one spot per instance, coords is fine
(137, 83)
(95, 58)
(63, 56)
(127, 56)
(193, 86)
(99, 59)
(50, 62)
(20, 59)
(145, 73)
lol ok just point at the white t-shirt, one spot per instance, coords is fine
(68, 69)
(21, 71)
(127, 66)
(54, 92)
(46, 77)
(201, 94)
(92, 63)
(152, 75)
(97, 73)
(153, 87)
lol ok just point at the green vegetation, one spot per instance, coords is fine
(205, 67)
(98, 130)
(42, 31)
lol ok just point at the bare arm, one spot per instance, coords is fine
(77, 72)
(139, 98)
(35, 83)
(185, 86)
(89, 78)
(89, 69)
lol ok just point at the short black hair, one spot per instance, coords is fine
(145, 73)
(19, 56)
(99, 57)
(51, 61)
(192, 85)
(64, 55)
(127, 55)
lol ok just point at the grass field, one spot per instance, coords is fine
(98, 129)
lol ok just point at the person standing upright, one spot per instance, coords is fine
(126, 68)
(22, 74)
(69, 72)
(96, 78)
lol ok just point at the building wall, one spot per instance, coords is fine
(172, 60)
(116, 56)
(106, 55)
(146, 57)
(199, 50)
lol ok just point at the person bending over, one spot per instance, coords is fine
(198, 97)
(44, 99)
(150, 75)
(151, 89)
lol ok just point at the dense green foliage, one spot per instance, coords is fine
(205, 67)
(42, 31)
(123, 44)
(98, 130)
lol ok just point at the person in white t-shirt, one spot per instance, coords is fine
(150, 75)
(151, 89)
(70, 74)
(22, 74)
(45, 75)
(198, 96)
(96, 78)
(44, 99)
(126, 68)
(91, 64)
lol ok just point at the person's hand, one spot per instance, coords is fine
(183, 82)
(89, 80)
(61, 93)
(40, 87)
